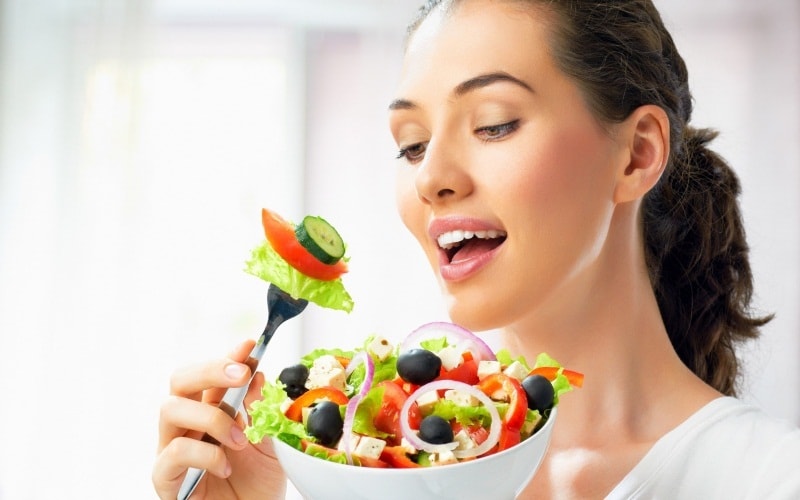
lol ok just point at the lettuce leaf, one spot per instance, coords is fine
(309, 358)
(561, 383)
(269, 420)
(505, 359)
(434, 344)
(368, 407)
(265, 263)
(319, 451)
(465, 415)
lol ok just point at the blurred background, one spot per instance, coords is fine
(140, 139)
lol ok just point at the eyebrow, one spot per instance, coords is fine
(468, 86)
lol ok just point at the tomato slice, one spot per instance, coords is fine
(550, 373)
(373, 463)
(466, 372)
(388, 417)
(407, 387)
(308, 398)
(280, 234)
(396, 457)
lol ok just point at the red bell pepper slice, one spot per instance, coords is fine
(508, 437)
(281, 236)
(551, 372)
(396, 457)
(517, 405)
(308, 398)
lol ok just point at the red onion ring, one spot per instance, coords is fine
(352, 405)
(416, 442)
(455, 334)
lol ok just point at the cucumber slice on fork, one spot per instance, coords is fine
(321, 239)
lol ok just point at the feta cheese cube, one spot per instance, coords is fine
(326, 371)
(464, 441)
(486, 368)
(444, 457)
(427, 401)
(380, 348)
(450, 356)
(354, 438)
(461, 398)
(326, 363)
(516, 370)
(369, 447)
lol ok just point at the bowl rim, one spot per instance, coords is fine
(427, 470)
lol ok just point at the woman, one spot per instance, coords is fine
(562, 128)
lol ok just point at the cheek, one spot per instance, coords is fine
(561, 204)
(568, 175)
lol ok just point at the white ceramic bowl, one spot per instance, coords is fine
(501, 476)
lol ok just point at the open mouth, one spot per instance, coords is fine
(461, 245)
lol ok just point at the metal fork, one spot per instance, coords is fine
(282, 307)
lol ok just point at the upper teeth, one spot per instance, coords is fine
(452, 238)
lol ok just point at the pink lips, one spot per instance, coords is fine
(463, 268)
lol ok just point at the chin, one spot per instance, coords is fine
(474, 315)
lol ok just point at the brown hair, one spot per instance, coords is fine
(621, 56)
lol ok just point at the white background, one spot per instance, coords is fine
(139, 140)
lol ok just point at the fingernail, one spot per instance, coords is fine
(238, 436)
(228, 470)
(235, 371)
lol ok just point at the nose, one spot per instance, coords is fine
(442, 175)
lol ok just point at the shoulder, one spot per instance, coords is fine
(728, 449)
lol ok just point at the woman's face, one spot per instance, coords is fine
(505, 178)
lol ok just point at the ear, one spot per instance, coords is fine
(645, 139)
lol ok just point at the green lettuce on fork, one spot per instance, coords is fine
(265, 263)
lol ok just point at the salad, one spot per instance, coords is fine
(441, 396)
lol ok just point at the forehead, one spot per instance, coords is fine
(477, 37)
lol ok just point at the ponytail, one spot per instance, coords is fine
(697, 257)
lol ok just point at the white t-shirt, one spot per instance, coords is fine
(727, 450)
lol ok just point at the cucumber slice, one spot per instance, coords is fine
(320, 239)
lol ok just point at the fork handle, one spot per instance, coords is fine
(231, 402)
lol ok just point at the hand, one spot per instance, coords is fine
(235, 468)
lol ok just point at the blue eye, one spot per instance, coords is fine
(413, 153)
(497, 132)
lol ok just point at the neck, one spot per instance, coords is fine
(607, 325)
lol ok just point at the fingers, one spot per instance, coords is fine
(185, 415)
(174, 460)
(191, 381)
(179, 415)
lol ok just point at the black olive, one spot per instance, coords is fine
(418, 366)
(435, 430)
(294, 378)
(325, 423)
(539, 391)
